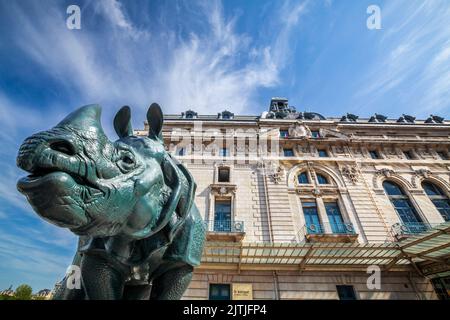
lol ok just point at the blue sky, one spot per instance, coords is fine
(204, 55)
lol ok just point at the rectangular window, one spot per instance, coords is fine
(222, 215)
(219, 291)
(374, 154)
(284, 133)
(408, 215)
(335, 218)
(408, 155)
(315, 134)
(322, 153)
(442, 155)
(288, 152)
(346, 292)
(311, 217)
(224, 175)
(224, 152)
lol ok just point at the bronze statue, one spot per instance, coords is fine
(130, 203)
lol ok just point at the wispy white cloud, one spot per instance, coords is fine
(21, 254)
(113, 11)
(413, 59)
(213, 68)
(204, 73)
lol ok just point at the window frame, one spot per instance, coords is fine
(228, 169)
(284, 136)
(408, 154)
(441, 196)
(224, 154)
(288, 156)
(323, 153)
(407, 199)
(222, 285)
(327, 181)
(306, 175)
(376, 153)
(337, 227)
(354, 295)
(318, 225)
(443, 155)
(219, 227)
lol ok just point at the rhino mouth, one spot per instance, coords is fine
(53, 181)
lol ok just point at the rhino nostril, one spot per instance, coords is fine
(63, 146)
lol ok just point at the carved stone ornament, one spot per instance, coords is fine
(351, 173)
(423, 173)
(223, 189)
(275, 171)
(298, 130)
(385, 172)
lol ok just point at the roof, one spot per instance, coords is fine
(214, 117)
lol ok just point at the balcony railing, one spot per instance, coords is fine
(328, 232)
(225, 226)
(410, 228)
(329, 228)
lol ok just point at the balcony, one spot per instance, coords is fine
(402, 231)
(225, 230)
(329, 232)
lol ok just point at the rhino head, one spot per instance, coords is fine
(79, 179)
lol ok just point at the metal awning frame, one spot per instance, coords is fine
(433, 246)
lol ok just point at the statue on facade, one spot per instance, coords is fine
(298, 130)
(130, 203)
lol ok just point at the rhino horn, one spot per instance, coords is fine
(86, 118)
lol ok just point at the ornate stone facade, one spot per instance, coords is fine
(332, 166)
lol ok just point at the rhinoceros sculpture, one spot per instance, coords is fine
(130, 203)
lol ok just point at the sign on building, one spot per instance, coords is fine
(242, 291)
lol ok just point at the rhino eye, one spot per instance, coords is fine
(127, 160)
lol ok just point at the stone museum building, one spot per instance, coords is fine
(303, 206)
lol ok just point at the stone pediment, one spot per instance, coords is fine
(223, 189)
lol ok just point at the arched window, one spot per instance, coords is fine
(402, 204)
(303, 178)
(439, 199)
(321, 179)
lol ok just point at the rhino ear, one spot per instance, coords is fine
(155, 121)
(122, 122)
